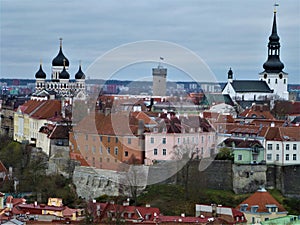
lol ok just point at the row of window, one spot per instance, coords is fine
(184, 140)
(109, 139)
(287, 146)
(86, 148)
(287, 157)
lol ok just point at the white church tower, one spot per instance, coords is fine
(273, 72)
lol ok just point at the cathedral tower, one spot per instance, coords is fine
(273, 72)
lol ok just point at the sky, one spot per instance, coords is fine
(222, 34)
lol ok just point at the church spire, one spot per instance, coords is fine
(273, 63)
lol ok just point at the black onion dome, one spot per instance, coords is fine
(40, 74)
(79, 74)
(64, 74)
(60, 59)
(273, 64)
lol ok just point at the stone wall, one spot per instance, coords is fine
(248, 178)
(284, 178)
(91, 182)
(213, 174)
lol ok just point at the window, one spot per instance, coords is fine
(100, 159)
(294, 156)
(117, 139)
(277, 157)
(202, 139)
(126, 153)
(164, 151)
(178, 140)
(243, 207)
(155, 151)
(164, 141)
(94, 138)
(294, 146)
(108, 150)
(254, 208)
(152, 140)
(284, 81)
(108, 139)
(94, 149)
(275, 81)
(268, 81)
(240, 157)
(129, 140)
(269, 157)
(277, 146)
(86, 137)
(287, 157)
(107, 159)
(270, 146)
(100, 150)
(287, 147)
(86, 148)
(101, 138)
(116, 150)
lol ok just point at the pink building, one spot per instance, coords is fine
(172, 138)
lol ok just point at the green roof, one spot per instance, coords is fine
(285, 220)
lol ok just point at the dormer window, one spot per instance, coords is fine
(244, 207)
(272, 208)
(254, 208)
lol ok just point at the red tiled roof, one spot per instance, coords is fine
(283, 133)
(258, 111)
(49, 109)
(40, 207)
(68, 212)
(261, 199)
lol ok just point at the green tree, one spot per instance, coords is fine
(225, 154)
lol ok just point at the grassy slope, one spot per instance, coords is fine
(171, 199)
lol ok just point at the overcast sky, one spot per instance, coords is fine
(224, 34)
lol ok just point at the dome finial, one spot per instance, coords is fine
(41, 62)
(275, 5)
(64, 62)
(60, 42)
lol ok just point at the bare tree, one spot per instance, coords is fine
(184, 154)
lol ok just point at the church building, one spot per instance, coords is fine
(272, 83)
(60, 86)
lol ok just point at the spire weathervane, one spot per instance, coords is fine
(275, 5)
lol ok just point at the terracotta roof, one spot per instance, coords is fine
(68, 212)
(258, 111)
(40, 207)
(49, 109)
(262, 199)
(241, 143)
(283, 133)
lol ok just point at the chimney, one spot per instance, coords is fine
(182, 215)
